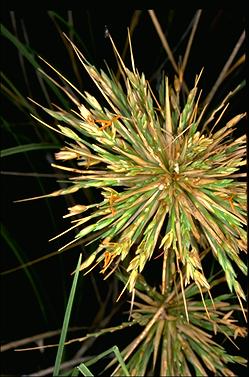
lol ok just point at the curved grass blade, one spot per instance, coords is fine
(26, 148)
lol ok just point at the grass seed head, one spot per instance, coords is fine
(164, 178)
(167, 340)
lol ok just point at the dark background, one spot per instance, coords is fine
(31, 224)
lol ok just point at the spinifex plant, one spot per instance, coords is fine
(170, 190)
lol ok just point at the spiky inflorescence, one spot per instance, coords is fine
(169, 344)
(179, 190)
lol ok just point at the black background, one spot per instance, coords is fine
(30, 224)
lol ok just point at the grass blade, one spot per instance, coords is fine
(84, 370)
(26, 148)
(66, 321)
